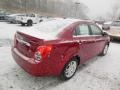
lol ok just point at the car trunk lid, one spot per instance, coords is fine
(27, 44)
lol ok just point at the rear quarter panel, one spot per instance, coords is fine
(62, 52)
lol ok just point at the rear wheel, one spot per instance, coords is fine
(22, 24)
(29, 23)
(11, 21)
(69, 69)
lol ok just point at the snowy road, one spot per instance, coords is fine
(100, 73)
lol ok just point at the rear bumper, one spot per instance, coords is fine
(46, 68)
(26, 63)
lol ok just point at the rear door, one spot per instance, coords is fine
(99, 38)
(82, 35)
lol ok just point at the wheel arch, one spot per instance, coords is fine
(29, 20)
(73, 57)
(77, 58)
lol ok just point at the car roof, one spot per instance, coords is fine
(69, 20)
(50, 29)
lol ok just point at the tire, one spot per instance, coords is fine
(29, 23)
(22, 24)
(40, 20)
(105, 50)
(11, 22)
(69, 70)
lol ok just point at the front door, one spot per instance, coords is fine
(82, 35)
(99, 38)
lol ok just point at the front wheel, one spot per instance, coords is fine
(22, 24)
(69, 69)
(29, 23)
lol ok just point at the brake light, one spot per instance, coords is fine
(42, 52)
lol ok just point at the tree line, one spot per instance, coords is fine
(64, 8)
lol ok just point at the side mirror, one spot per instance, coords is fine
(105, 34)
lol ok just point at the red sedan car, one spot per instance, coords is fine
(57, 47)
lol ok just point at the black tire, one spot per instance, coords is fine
(40, 20)
(104, 52)
(11, 22)
(22, 24)
(64, 75)
(29, 23)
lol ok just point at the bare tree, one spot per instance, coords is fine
(115, 11)
(57, 7)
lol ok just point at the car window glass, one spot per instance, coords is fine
(116, 23)
(32, 15)
(77, 31)
(95, 30)
(82, 30)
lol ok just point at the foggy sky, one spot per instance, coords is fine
(98, 7)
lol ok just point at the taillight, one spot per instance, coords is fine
(42, 52)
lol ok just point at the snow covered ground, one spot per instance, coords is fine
(7, 32)
(100, 73)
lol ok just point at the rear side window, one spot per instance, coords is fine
(82, 30)
(95, 30)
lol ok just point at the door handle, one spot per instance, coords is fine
(94, 41)
(83, 41)
(91, 41)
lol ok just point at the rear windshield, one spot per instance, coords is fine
(52, 27)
